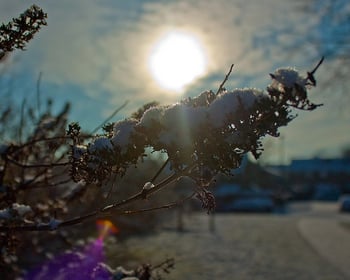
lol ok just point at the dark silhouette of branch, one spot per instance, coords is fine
(310, 75)
(160, 170)
(17, 33)
(166, 206)
(225, 80)
(38, 104)
(43, 165)
(110, 117)
(144, 193)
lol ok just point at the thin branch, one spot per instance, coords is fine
(38, 105)
(29, 186)
(34, 141)
(225, 80)
(166, 206)
(160, 170)
(49, 227)
(21, 121)
(138, 196)
(44, 165)
(310, 75)
(318, 65)
(110, 117)
(112, 187)
(146, 193)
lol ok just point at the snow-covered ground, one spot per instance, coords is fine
(252, 246)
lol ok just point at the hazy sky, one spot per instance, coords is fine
(96, 54)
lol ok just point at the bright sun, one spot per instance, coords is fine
(176, 60)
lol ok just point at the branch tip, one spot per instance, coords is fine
(225, 80)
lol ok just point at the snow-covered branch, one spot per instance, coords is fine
(211, 131)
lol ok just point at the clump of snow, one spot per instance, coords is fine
(287, 78)
(180, 113)
(121, 271)
(78, 151)
(21, 209)
(152, 115)
(203, 99)
(100, 144)
(228, 104)
(182, 122)
(16, 210)
(122, 133)
(148, 186)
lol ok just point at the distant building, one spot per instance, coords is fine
(314, 167)
(311, 176)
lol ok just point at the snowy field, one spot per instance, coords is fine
(251, 246)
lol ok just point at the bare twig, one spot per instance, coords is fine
(138, 196)
(310, 75)
(44, 165)
(21, 121)
(166, 206)
(160, 170)
(29, 186)
(34, 141)
(146, 193)
(225, 80)
(78, 220)
(112, 187)
(38, 82)
(110, 117)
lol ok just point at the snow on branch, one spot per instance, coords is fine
(201, 136)
(211, 130)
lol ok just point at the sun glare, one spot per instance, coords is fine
(176, 60)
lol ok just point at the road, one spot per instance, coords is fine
(310, 242)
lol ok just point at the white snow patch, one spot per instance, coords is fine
(16, 210)
(122, 132)
(148, 186)
(287, 77)
(21, 209)
(229, 103)
(154, 114)
(181, 122)
(78, 151)
(100, 144)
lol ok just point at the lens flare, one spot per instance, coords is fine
(105, 228)
(80, 262)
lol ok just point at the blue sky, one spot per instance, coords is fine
(95, 54)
